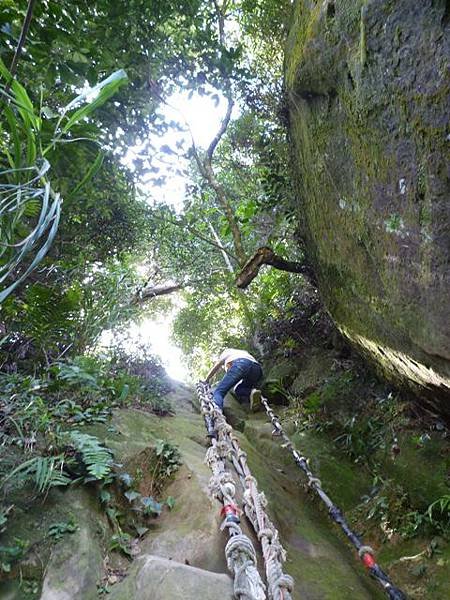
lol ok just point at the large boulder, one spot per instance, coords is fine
(368, 86)
(155, 578)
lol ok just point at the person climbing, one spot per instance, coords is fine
(243, 372)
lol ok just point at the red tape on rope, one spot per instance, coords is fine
(368, 560)
(229, 509)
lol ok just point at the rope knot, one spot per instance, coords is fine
(365, 550)
(262, 500)
(250, 480)
(314, 481)
(268, 533)
(286, 582)
(222, 448)
(228, 489)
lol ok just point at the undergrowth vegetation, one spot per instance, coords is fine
(42, 442)
(151, 210)
(398, 446)
(84, 390)
(136, 494)
(374, 427)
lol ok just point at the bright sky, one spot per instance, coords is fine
(204, 118)
(156, 332)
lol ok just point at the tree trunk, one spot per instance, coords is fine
(219, 243)
(228, 210)
(266, 256)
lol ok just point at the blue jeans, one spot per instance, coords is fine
(242, 368)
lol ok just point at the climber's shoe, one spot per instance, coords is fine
(255, 400)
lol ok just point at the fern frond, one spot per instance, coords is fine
(97, 458)
(44, 471)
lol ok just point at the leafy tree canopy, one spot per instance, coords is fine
(115, 246)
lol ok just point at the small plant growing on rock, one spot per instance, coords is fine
(168, 461)
(170, 501)
(44, 471)
(11, 554)
(122, 541)
(95, 457)
(435, 519)
(151, 507)
(58, 530)
(361, 438)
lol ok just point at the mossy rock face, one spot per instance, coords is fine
(315, 369)
(235, 412)
(183, 553)
(75, 565)
(369, 90)
(57, 569)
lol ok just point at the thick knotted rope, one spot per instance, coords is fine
(365, 552)
(279, 584)
(239, 551)
(241, 560)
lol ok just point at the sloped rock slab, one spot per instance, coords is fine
(76, 561)
(74, 568)
(155, 578)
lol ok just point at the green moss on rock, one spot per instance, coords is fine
(369, 91)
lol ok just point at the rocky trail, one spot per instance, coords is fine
(182, 554)
(183, 557)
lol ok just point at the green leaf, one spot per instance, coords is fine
(132, 495)
(124, 392)
(159, 447)
(49, 113)
(32, 123)
(22, 100)
(170, 502)
(95, 97)
(41, 470)
(105, 496)
(141, 530)
(97, 458)
(79, 58)
(122, 542)
(151, 506)
(126, 479)
(57, 530)
(49, 215)
(90, 173)
(113, 514)
(14, 134)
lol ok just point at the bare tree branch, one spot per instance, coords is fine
(159, 290)
(20, 43)
(222, 130)
(266, 256)
(205, 163)
(224, 254)
(220, 11)
(184, 225)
